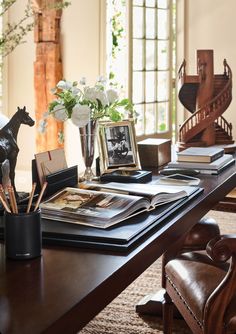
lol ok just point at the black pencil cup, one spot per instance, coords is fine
(23, 237)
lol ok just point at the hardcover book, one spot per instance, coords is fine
(214, 165)
(219, 170)
(200, 154)
(103, 209)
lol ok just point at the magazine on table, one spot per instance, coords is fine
(102, 209)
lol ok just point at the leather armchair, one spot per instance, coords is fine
(196, 239)
(202, 285)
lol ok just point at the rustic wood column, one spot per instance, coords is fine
(47, 70)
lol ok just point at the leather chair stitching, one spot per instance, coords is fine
(185, 303)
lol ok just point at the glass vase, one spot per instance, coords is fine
(87, 139)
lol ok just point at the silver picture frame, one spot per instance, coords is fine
(118, 146)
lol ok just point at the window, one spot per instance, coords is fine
(152, 62)
(151, 68)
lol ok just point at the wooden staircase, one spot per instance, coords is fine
(209, 115)
(223, 131)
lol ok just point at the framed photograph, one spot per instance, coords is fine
(118, 147)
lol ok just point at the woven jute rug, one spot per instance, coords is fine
(120, 317)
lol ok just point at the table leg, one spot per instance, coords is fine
(152, 305)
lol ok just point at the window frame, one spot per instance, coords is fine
(171, 126)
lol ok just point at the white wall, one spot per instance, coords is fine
(81, 54)
(20, 88)
(211, 24)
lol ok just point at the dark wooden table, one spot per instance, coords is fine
(65, 288)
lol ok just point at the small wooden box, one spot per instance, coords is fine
(154, 152)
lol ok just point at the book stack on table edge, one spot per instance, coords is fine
(207, 160)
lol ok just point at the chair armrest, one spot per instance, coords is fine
(222, 247)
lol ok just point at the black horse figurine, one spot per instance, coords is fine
(8, 142)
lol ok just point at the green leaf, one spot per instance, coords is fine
(123, 102)
(115, 115)
(99, 104)
(52, 105)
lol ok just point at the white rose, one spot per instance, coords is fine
(64, 85)
(90, 94)
(112, 95)
(80, 115)
(102, 97)
(59, 112)
(75, 90)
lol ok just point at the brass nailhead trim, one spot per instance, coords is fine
(187, 306)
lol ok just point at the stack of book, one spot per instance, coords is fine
(208, 160)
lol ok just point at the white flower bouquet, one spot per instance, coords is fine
(88, 103)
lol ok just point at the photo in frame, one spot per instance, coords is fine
(118, 147)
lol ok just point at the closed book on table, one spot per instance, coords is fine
(200, 154)
(219, 170)
(202, 165)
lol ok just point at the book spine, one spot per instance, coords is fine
(208, 172)
(200, 158)
(216, 156)
(218, 171)
(198, 165)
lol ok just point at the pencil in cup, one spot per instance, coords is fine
(12, 199)
(40, 195)
(31, 197)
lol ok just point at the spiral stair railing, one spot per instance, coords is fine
(181, 71)
(206, 115)
(224, 125)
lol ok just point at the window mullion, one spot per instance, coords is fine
(170, 65)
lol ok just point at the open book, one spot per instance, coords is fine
(103, 209)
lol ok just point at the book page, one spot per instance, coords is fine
(140, 189)
(92, 206)
(157, 193)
